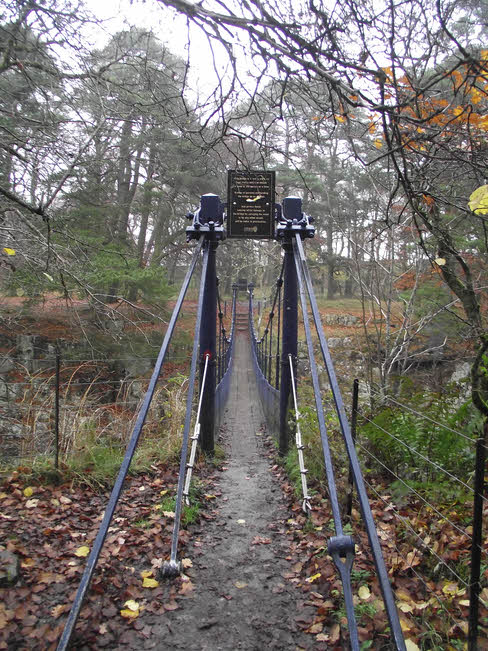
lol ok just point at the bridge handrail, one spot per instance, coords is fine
(305, 280)
(130, 450)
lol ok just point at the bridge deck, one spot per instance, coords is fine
(260, 613)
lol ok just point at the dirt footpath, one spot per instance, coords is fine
(240, 598)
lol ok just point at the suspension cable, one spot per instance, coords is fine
(298, 439)
(341, 547)
(172, 567)
(374, 542)
(194, 438)
(131, 447)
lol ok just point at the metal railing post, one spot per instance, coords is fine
(56, 410)
(289, 343)
(477, 541)
(207, 221)
(208, 341)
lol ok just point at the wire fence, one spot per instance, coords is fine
(47, 405)
(421, 464)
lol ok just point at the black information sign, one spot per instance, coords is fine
(251, 198)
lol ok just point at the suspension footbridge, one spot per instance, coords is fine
(245, 381)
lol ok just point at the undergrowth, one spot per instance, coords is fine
(94, 440)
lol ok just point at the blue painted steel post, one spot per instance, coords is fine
(292, 209)
(207, 222)
(210, 213)
(208, 340)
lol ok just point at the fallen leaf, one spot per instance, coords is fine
(209, 497)
(27, 562)
(28, 491)
(335, 633)
(169, 514)
(315, 628)
(186, 588)
(405, 625)
(149, 583)
(82, 551)
(240, 584)
(129, 614)
(31, 504)
(186, 563)
(146, 573)
(241, 522)
(132, 605)
(364, 592)
(411, 646)
(57, 611)
(452, 589)
(313, 578)
(260, 540)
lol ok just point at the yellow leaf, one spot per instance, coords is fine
(378, 143)
(149, 583)
(240, 584)
(163, 492)
(209, 497)
(478, 200)
(169, 514)
(82, 551)
(132, 605)
(452, 589)
(464, 602)
(440, 261)
(146, 573)
(241, 521)
(3, 496)
(186, 563)
(313, 578)
(129, 614)
(8, 251)
(364, 592)
(404, 607)
(31, 504)
(405, 625)
(28, 491)
(411, 646)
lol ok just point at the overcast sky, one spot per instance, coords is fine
(169, 27)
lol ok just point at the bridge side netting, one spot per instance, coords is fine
(269, 395)
(225, 364)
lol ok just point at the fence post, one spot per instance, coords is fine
(291, 207)
(56, 411)
(477, 541)
(354, 421)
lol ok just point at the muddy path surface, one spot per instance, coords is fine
(240, 598)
